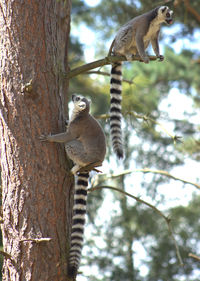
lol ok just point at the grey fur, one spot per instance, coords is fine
(84, 138)
(85, 144)
(132, 39)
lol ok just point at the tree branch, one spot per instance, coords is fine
(7, 256)
(36, 240)
(89, 168)
(194, 256)
(167, 219)
(160, 172)
(191, 10)
(107, 60)
(146, 119)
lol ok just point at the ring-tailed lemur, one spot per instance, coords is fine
(85, 145)
(78, 222)
(132, 39)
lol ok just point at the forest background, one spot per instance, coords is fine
(126, 239)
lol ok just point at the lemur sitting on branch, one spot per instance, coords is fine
(132, 39)
(84, 144)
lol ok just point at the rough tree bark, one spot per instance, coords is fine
(35, 181)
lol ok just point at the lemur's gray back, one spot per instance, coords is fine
(85, 144)
(132, 39)
(92, 147)
(88, 132)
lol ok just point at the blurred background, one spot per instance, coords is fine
(125, 239)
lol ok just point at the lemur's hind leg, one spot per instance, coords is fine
(91, 166)
(77, 153)
(75, 169)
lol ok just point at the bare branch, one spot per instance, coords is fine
(7, 256)
(107, 60)
(160, 172)
(89, 168)
(174, 240)
(102, 116)
(188, 8)
(194, 256)
(145, 118)
(36, 240)
(98, 72)
(191, 10)
(167, 219)
(130, 195)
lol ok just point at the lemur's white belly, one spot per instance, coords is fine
(153, 29)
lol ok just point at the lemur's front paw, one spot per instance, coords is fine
(145, 59)
(160, 57)
(43, 138)
(129, 57)
(66, 123)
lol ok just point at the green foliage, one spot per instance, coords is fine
(80, 12)
(186, 226)
(109, 15)
(137, 223)
(132, 236)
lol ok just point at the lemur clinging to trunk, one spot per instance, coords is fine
(132, 39)
(84, 144)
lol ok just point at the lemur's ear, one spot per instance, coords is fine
(163, 9)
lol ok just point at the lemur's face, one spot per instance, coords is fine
(165, 14)
(80, 103)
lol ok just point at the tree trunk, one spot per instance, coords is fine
(36, 185)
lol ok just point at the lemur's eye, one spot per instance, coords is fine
(77, 98)
(168, 15)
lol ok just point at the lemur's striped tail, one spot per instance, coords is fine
(78, 222)
(115, 108)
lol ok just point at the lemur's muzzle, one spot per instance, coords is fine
(169, 21)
